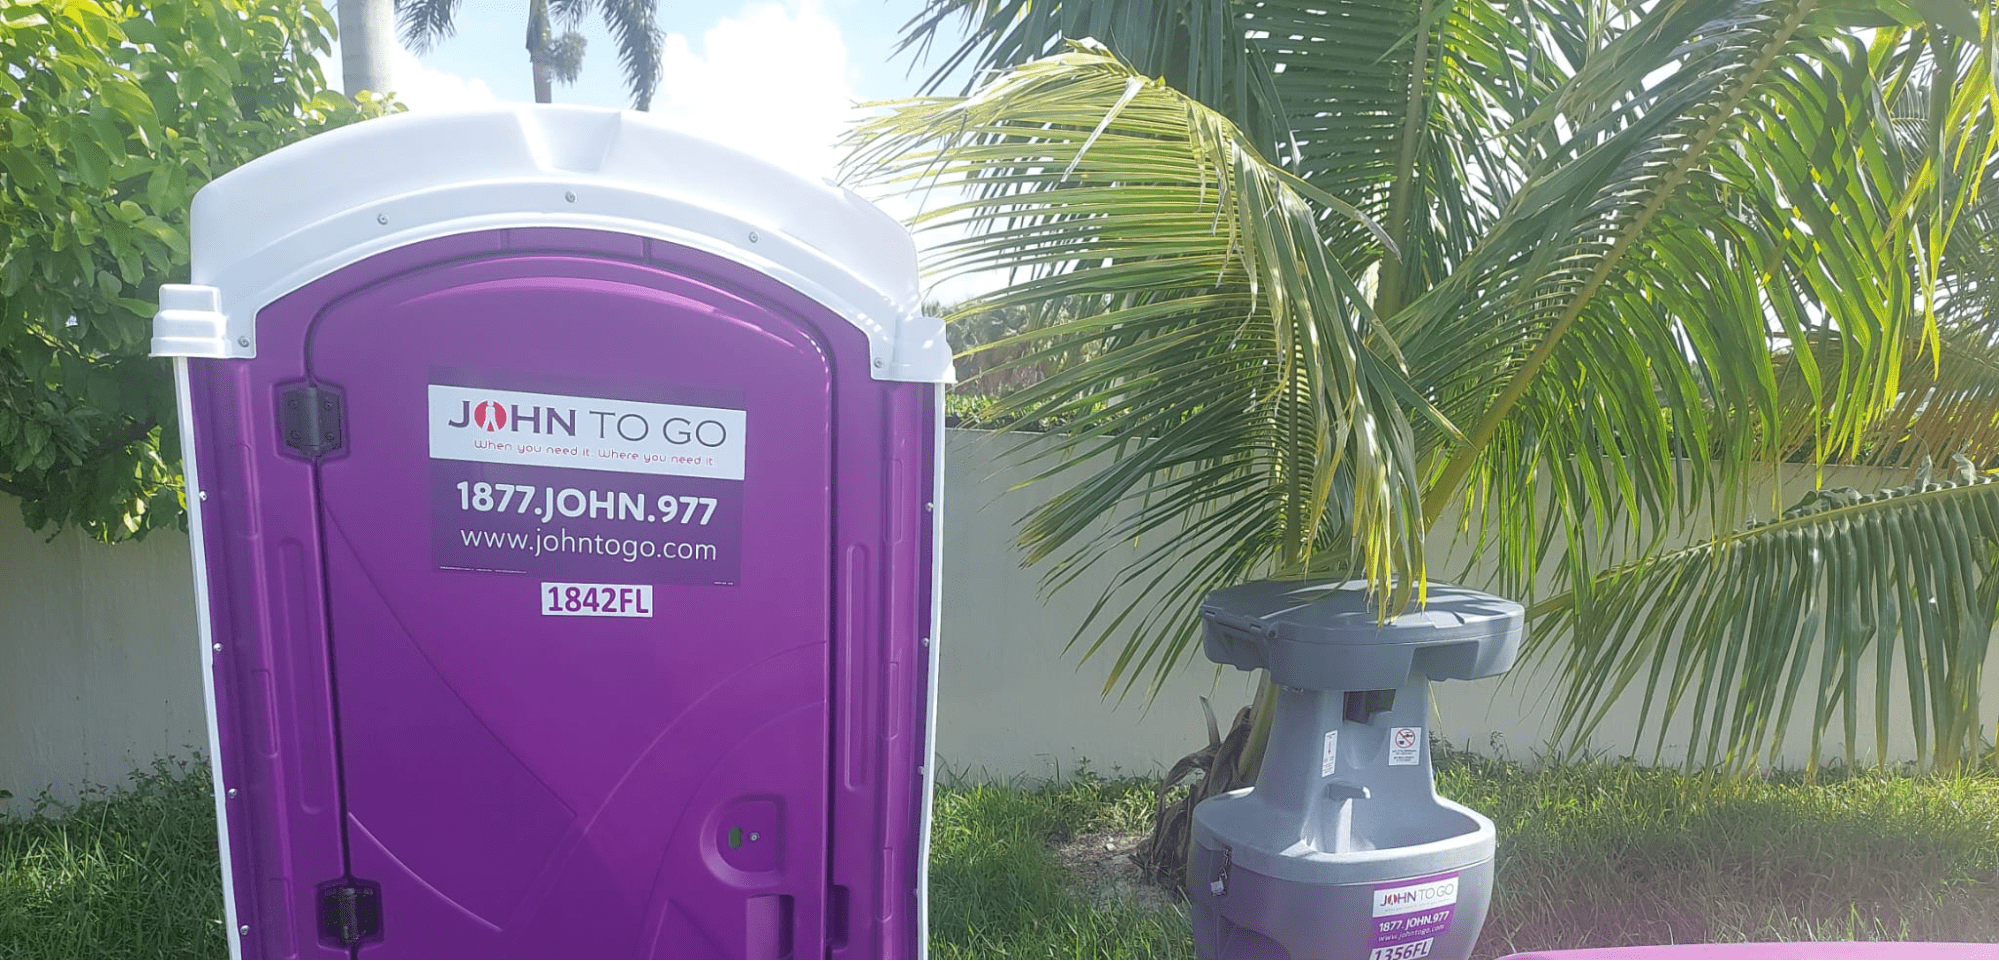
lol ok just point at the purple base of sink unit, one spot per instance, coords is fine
(728, 762)
(1774, 950)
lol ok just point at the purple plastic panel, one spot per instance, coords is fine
(528, 780)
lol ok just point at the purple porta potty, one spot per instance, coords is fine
(563, 498)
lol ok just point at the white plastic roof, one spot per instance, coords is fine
(286, 219)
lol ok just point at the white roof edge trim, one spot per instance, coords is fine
(389, 183)
(216, 316)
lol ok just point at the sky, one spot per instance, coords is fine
(777, 78)
(772, 74)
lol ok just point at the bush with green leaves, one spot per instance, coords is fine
(114, 114)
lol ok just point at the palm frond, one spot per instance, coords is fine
(1843, 586)
(567, 14)
(422, 23)
(1637, 248)
(1759, 197)
(565, 56)
(1394, 107)
(634, 27)
(1399, 108)
(1236, 374)
(1948, 401)
(1199, 47)
(1614, 334)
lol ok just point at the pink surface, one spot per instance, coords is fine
(1784, 949)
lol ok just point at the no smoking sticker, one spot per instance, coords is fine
(1405, 745)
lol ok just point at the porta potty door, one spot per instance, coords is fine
(562, 497)
(575, 524)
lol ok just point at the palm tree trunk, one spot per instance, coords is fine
(1227, 763)
(367, 41)
(544, 82)
(539, 39)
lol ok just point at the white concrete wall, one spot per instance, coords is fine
(98, 657)
(1012, 701)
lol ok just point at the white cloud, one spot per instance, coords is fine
(420, 88)
(773, 81)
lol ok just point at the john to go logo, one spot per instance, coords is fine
(490, 415)
(493, 416)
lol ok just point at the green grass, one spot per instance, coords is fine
(997, 890)
(129, 873)
(1591, 855)
(1604, 854)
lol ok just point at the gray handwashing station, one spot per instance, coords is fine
(1343, 848)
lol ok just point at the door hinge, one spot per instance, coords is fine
(350, 911)
(313, 419)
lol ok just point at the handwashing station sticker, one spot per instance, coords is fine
(1410, 915)
(585, 489)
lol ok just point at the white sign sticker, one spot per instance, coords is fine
(1332, 751)
(1405, 745)
(1403, 952)
(1421, 895)
(595, 600)
(587, 433)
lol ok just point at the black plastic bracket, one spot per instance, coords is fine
(313, 419)
(350, 911)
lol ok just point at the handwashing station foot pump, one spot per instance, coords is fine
(1343, 848)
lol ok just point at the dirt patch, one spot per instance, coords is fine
(1102, 865)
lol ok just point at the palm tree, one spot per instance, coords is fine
(558, 57)
(366, 38)
(1555, 275)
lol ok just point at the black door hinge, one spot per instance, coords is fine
(313, 419)
(350, 911)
